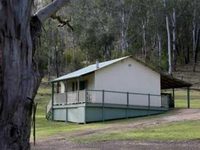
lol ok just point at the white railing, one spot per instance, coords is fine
(126, 98)
(69, 97)
(110, 97)
(59, 98)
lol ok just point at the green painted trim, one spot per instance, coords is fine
(103, 105)
(94, 113)
(106, 105)
(87, 112)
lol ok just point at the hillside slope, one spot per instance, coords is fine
(186, 73)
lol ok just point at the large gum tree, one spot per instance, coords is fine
(19, 75)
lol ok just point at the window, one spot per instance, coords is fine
(82, 85)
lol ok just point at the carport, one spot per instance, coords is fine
(169, 82)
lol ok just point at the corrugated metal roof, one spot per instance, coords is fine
(88, 69)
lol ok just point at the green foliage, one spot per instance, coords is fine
(105, 30)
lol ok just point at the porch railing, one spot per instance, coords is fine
(111, 97)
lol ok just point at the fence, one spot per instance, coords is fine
(180, 98)
(111, 97)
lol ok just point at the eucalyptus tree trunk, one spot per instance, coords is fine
(174, 39)
(159, 48)
(19, 76)
(168, 41)
(144, 47)
(195, 38)
(194, 34)
(123, 41)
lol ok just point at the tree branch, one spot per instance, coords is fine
(47, 11)
(62, 22)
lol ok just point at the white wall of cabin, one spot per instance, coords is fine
(129, 76)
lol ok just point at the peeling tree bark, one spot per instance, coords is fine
(19, 76)
(20, 80)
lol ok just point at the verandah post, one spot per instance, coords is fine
(127, 106)
(66, 90)
(149, 102)
(86, 96)
(52, 101)
(78, 84)
(85, 119)
(173, 94)
(103, 105)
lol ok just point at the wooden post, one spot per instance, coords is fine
(66, 89)
(52, 101)
(85, 121)
(78, 84)
(149, 97)
(173, 94)
(127, 106)
(103, 105)
(85, 96)
(188, 97)
(149, 100)
(66, 117)
(34, 120)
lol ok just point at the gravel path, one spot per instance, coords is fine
(59, 142)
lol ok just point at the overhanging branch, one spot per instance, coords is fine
(47, 11)
(62, 22)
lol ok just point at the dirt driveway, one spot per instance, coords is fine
(59, 142)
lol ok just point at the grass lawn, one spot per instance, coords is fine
(181, 99)
(186, 130)
(172, 131)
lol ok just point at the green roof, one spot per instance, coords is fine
(88, 69)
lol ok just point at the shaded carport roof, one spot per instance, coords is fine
(169, 82)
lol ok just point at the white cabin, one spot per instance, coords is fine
(121, 82)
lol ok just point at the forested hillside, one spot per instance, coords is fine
(164, 33)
